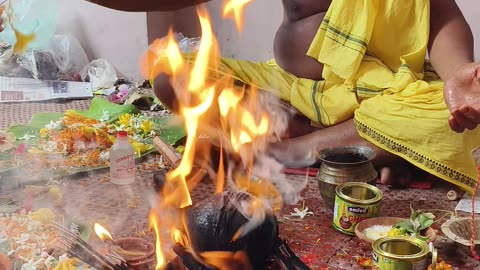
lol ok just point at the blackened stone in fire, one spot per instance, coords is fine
(213, 223)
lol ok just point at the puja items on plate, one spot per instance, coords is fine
(75, 142)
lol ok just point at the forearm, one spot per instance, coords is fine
(147, 5)
(451, 39)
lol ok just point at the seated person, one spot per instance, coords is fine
(357, 71)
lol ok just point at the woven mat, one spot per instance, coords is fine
(20, 113)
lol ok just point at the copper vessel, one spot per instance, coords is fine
(342, 165)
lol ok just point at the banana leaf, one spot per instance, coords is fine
(100, 108)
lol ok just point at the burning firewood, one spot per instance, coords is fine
(171, 157)
(212, 228)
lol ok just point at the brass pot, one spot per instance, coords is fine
(342, 165)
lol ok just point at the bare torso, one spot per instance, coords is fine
(302, 18)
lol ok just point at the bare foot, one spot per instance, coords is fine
(400, 176)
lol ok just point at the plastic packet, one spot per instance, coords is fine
(38, 17)
(100, 73)
(69, 56)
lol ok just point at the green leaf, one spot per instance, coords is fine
(21, 130)
(414, 215)
(429, 215)
(405, 224)
(101, 105)
(425, 221)
(39, 120)
(169, 131)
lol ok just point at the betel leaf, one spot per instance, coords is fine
(101, 106)
(406, 224)
(425, 220)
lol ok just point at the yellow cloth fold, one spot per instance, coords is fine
(378, 47)
(395, 32)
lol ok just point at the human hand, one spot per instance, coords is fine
(462, 95)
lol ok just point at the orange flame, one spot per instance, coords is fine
(102, 233)
(234, 9)
(205, 52)
(153, 220)
(163, 56)
(239, 126)
(224, 260)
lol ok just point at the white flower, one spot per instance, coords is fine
(27, 137)
(136, 137)
(3, 237)
(53, 125)
(105, 155)
(120, 128)
(100, 125)
(31, 264)
(51, 146)
(23, 238)
(62, 258)
(105, 117)
(299, 214)
(48, 259)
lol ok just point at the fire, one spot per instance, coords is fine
(234, 9)
(102, 233)
(227, 116)
(205, 52)
(160, 259)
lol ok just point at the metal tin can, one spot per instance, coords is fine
(354, 202)
(401, 253)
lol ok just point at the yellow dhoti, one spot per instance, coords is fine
(373, 53)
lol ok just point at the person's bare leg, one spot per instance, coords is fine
(301, 151)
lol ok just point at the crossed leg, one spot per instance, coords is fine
(302, 142)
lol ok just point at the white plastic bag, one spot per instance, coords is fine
(100, 73)
(37, 17)
(68, 55)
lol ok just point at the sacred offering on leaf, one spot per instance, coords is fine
(77, 141)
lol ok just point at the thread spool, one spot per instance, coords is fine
(452, 195)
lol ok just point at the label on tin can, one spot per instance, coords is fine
(382, 263)
(347, 215)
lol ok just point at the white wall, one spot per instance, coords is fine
(119, 37)
(262, 18)
(122, 37)
(255, 42)
(471, 10)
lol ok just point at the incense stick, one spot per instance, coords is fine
(75, 246)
